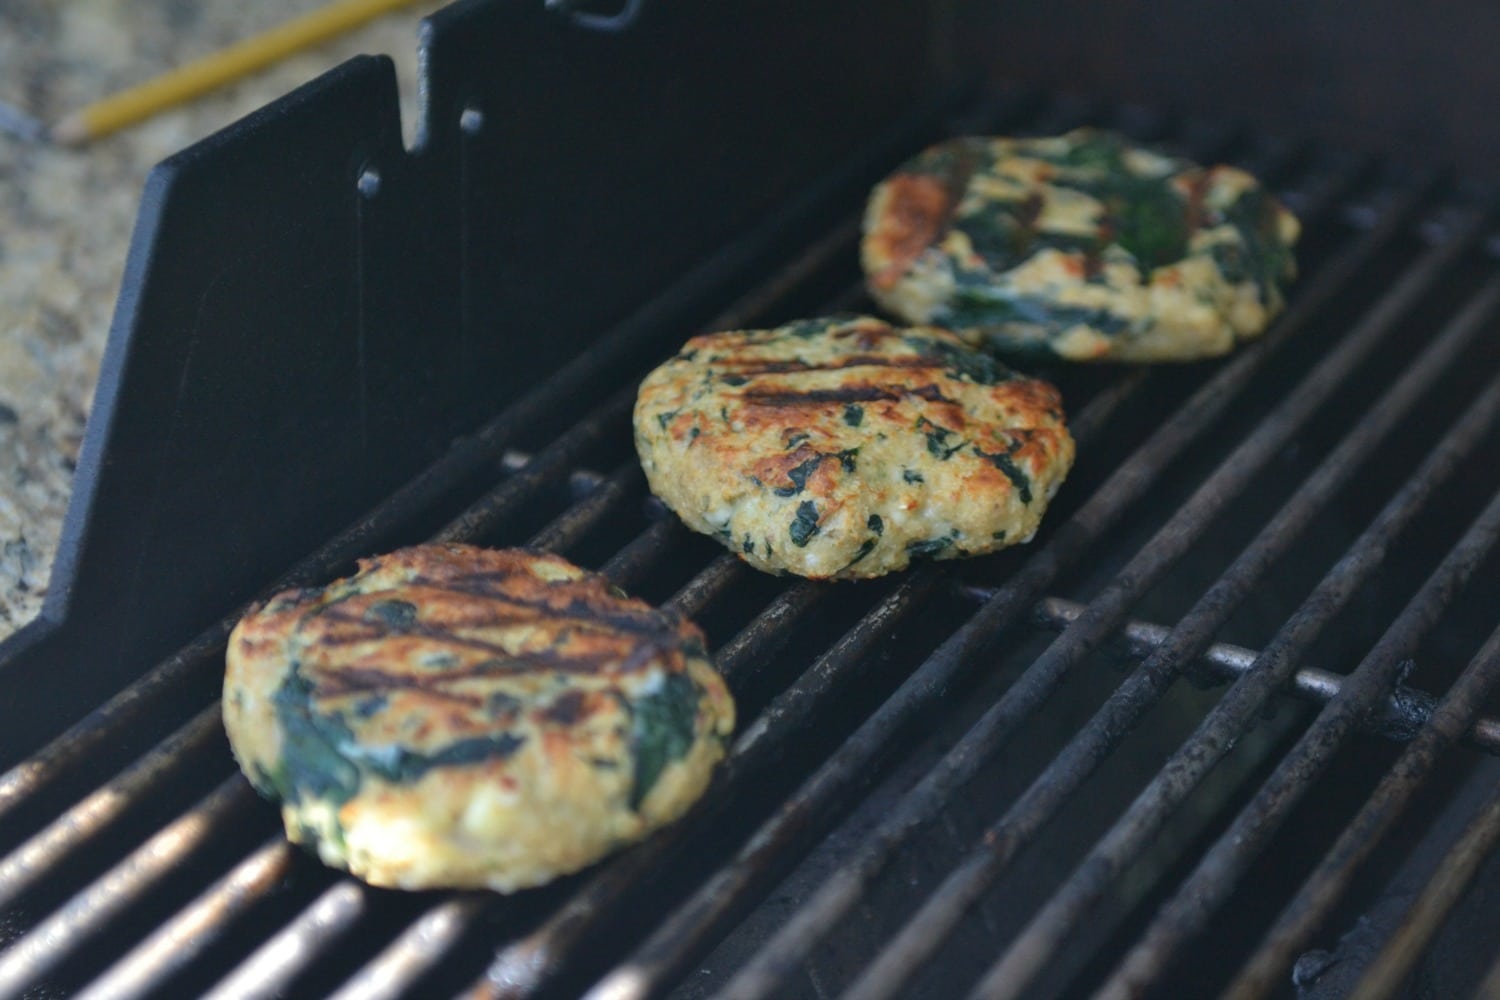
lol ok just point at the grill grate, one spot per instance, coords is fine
(171, 876)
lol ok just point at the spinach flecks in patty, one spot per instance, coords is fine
(962, 362)
(865, 548)
(1265, 257)
(938, 438)
(396, 614)
(311, 765)
(806, 329)
(798, 475)
(1101, 151)
(912, 476)
(875, 524)
(979, 306)
(734, 380)
(367, 707)
(663, 727)
(1149, 218)
(854, 414)
(498, 703)
(805, 525)
(996, 236)
(931, 546)
(1007, 465)
(401, 765)
(1231, 261)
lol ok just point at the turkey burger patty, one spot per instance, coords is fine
(844, 448)
(461, 717)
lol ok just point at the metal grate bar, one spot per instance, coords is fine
(1489, 988)
(200, 923)
(1405, 712)
(487, 513)
(1099, 413)
(1067, 773)
(703, 589)
(1293, 775)
(50, 846)
(628, 565)
(757, 642)
(570, 527)
(846, 886)
(287, 952)
(691, 927)
(85, 914)
(1212, 880)
(1365, 686)
(1447, 886)
(1327, 884)
(414, 951)
(130, 707)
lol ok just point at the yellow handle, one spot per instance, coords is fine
(214, 70)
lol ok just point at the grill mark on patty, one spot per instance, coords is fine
(588, 629)
(594, 604)
(372, 630)
(346, 681)
(844, 394)
(751, 367)
(590, 609)
(479, 617)
(573, 661)
(567, 709)
(341, 681)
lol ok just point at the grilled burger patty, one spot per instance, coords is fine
(461, 717)
(1080, 246)
(847, 447)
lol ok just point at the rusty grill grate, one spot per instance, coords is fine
(930, 792)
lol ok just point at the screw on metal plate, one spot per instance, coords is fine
(471, 120)
(629, 13)
(369, 182)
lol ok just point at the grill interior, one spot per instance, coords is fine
(1206, 722)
